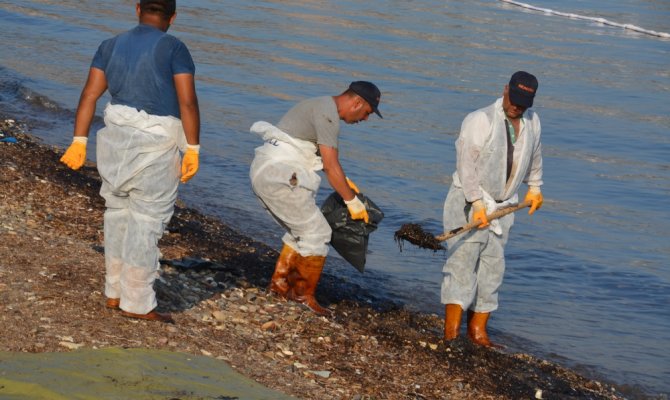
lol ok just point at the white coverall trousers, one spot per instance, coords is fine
(138, 161)
(283, 177)
(475, 263)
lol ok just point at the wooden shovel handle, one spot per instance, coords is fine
(494, 215)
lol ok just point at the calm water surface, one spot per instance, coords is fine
(587, 279)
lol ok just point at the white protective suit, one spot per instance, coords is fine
(475, 265)
(138, 161)
(283, 176)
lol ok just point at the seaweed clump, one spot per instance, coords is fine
(416, 235)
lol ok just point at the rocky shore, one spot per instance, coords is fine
(213, 280)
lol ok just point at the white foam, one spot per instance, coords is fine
(599, 20)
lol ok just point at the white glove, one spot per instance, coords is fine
(357, 209)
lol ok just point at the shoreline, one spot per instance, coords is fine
(213, 279)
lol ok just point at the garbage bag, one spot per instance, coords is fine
(350, 237)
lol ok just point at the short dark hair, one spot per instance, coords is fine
(166, 8)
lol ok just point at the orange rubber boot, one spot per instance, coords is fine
(303, 281)
(279, 283)
(452, 321)
(477, 328)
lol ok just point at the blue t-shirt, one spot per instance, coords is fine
(139, 66)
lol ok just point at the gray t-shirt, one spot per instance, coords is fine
(315, 120)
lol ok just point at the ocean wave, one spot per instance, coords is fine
(598, 20)
(41, 113)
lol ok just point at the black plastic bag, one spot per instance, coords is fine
(350, 237)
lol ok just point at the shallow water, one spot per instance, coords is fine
(587, 279)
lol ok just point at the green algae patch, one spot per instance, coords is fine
(116, 373)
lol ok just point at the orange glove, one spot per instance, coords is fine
(357, 209)
(75, 155)
(534, 195)
(479, 213)
(190, 163)
(352, 185)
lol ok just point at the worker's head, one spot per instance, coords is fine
(519, 94)
(359, 101)
(158, 13)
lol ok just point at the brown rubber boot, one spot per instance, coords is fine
(477, 328)
(112, 303)
(285, 263)
(150, 316)
(303, 281)
(452, 321)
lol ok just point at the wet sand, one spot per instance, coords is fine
(213, 280)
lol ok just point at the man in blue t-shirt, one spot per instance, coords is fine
(153, 115)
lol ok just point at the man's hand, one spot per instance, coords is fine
(357, 209)
(479, 213)
(534, 195)
(190, 163)
(75, 155)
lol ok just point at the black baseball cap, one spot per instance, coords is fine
(369, 92)
(522, 88)
(165, 7)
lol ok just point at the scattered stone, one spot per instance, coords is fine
(269, 326)
(323, 374)
(219, 315)
(70, 345)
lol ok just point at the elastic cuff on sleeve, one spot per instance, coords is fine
(354, 200)
(194, 147)
(534, 189)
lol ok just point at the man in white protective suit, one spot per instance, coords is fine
(497, 149)
(284, 177)
(152, 116)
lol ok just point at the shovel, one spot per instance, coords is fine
(415, 234)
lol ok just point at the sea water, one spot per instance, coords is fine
(587, 281)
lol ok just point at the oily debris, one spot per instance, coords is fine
(416, 235)
(213, 280)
